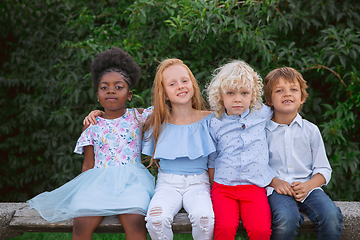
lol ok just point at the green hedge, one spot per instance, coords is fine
(47, 47)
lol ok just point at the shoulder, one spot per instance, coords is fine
(207, 114)
(310, 126)
(144, 110)
(202, 115)
(263, 110)
(311, 129)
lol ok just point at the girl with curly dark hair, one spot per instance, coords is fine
(113, 180)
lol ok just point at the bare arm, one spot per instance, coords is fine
(89, 158)
(211, 172)
(303, 188)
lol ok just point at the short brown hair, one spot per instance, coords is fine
(288, 74)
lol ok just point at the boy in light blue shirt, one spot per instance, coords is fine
(298, 159)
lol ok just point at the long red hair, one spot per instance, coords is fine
(162, 106)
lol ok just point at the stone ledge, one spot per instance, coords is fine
(16, 218)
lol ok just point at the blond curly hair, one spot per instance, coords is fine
(234, 75)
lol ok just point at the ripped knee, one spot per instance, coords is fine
(157, 221)
(204, 222)
(155, 212)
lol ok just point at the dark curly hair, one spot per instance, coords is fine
(115, 60)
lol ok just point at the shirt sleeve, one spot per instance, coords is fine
(146, 113)
(320, 161)
(85, 139)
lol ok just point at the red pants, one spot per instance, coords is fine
(247, 202)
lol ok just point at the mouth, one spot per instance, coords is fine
(287, 101)
(181, 94)
(237, 107)
(111, 99)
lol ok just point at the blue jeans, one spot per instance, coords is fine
(286, 216)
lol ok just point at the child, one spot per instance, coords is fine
(240, 170)
(298, 159)
(177, 134)
(113, 180)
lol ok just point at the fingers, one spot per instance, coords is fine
(299, 197)
(91, 118)
(285, 190)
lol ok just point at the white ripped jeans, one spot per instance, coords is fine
(173, 192)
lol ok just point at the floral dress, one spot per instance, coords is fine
(117, 184)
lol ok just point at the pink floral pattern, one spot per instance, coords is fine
(117, 141)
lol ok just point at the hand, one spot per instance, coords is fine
(282, 187)
(91, 117)
(301, 190)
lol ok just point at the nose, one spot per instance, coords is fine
(237, 98)
(111, 90)
(181, 85)
(287, 92)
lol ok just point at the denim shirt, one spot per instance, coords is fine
(296, 151)
(241, 148)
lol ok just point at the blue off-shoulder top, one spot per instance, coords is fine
(182, 149)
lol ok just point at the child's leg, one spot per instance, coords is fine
(83, 227)
(286, 218)
(324, 213)
(227, 211)
(197, 203)
(134, 226)
(255, 211)
(164, 205)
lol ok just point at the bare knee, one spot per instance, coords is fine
(133, 222)
(83, 227)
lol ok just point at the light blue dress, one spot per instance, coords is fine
(117, 184)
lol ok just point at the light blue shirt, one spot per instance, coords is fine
(182, 149)
(296, 151)
(241, 148)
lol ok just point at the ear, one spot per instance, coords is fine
(130, 94)
(302, 100)
(97, 94)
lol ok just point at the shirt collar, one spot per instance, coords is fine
(242, 116)
(271, 125)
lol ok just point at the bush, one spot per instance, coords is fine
(49, 45)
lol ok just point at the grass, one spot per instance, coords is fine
(121, 236)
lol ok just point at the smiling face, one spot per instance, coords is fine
(286, 98)
(237, 101)
(177, 85)
(113, 92)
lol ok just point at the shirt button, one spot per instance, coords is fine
(290, 166)
(242, 153)
(287, 147)
(242, 173)
(242, 134)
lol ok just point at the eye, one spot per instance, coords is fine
(119, 87)
(278, 90)
(245, 93)
(294, 89)
(230, 93)
(104, 87)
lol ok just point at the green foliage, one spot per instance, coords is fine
(47, 47)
